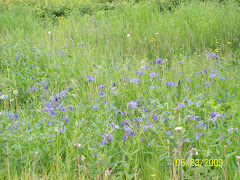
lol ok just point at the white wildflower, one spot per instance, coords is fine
(193, 151)
(178, 129)
(15, 92)
(108, 172)
(82, 158)
(78, 145)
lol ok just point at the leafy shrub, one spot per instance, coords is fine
(52, 9)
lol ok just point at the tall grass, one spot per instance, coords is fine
(57, 106)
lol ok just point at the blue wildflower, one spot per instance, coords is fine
(114, 126)
(158, 61)
(181, 105)
(169, 132)
(132, 104)
(207, 84)
(212, 114)
(117, 111)
(90, 78)
(127, 129)
(170, 83)
(34, 88)
(153, 74)
(205, 70)
(67, 120)
(212, 76)
(100, 86)
(71, 107)
(16, 116)
(152, 87)
(106, 138)
(134, 80)
(197, 136)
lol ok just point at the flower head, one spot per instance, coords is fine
(238, 158)
(15, 92)
(132, 104)
(181, 105)
(90, 78)
(178, 129)
(82, 158)
(159, 60)
(153, 74)
(108, 172)
(170, 83)
(78, 145)
(193, 151)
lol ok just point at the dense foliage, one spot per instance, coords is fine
(120, 89)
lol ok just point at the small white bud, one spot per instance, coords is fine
(36, 153)
(238, 158)
(49, 32)
(15, 92)
(128, 35)
(178, 129)
(56, 129)
(108, 172)
(82, 158)
(78, 145)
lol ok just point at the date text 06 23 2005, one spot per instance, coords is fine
(199, 162)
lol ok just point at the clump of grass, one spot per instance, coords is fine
(119, 82)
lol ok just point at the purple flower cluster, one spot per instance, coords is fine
(107, 138)
(214, 56)
(90, 78)
(132, 104)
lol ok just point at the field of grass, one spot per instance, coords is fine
(119, 90)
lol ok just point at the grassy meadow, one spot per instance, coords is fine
(119, 89)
